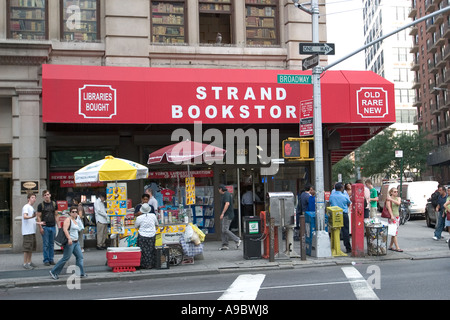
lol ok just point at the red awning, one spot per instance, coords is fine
(357, 104)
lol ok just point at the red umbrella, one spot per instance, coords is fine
(185, 151)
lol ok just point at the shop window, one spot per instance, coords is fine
(27, 19)
(262, 22)
(168, 21)
(75, 158)
(80, 20)
(215, 18)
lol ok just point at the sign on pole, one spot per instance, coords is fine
(310, 62)
(294, 78)
(317, 48)
(306, 118)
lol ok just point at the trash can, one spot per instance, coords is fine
(252, 237)
(310, 226)
(377, 238)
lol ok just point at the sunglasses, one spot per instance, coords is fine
(74, 211)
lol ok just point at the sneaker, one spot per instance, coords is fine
(435, 238)
(223, 248)
(52, 263)
(238, 244)
(84, 276)
(27, 266)
(33, 265)
(47, 264)
(54, 276)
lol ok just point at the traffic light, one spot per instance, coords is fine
(298, 149)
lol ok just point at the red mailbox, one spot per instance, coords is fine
(357, 220)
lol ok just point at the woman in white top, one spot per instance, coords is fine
(146, 224)
(71, 227)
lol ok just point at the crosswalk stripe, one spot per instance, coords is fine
(245, 287)
(360, 287)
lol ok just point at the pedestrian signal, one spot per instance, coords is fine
(298, 149)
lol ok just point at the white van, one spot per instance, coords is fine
(418, 192)
(384, 191)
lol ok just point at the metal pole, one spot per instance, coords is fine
(331, 65)
(272, 239)
(302, 237)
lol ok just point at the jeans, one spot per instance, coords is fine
(226, 233)
(48, 243)
(439, 225)
(68, 250)
(345, 231)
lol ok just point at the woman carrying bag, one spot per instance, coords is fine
(146, 224)
(72, 226)
(393, 202)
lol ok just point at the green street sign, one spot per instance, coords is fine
(294, 78)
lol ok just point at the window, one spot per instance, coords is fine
(261, 22)
(215, 21)
(80, 20)
(27, 19)
(168, 21)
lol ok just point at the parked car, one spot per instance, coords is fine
(430, 213)
(418, 193)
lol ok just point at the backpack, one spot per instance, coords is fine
(434, 199)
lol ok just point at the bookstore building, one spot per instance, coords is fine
(128, 112)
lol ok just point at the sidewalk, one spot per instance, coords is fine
(414, 238)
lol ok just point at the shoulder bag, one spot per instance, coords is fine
(61, 239)
(385, 213)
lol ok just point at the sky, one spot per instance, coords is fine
(345, 30)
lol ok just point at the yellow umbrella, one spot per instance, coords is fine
(111, 169)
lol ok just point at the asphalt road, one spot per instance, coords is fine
(386, 280)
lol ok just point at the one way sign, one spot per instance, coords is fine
(317, 48)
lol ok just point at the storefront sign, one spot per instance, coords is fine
(93, 94)
(180, 174)
(372, 102)
(29, 186)
(67, 180)
(97, 102)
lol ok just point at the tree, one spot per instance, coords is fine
(377, 156)
(345, 167)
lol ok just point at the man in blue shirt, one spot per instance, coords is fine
(338, 198)
(441, 210)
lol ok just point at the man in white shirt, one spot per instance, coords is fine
(29, 231)
(102, 221)
(152, 201)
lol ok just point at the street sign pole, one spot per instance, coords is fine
(322, 241)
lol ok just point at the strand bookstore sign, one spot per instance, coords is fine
(356, 105)
(123, 95)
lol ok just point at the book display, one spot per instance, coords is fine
(203, 210)
(80, 20)
(168, 21)
(262, 22)
(214, 6)
(27, 19)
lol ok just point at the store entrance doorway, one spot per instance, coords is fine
(246, 186)
(5, 196)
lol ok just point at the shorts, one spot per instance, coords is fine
(29, 242)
